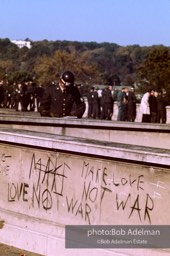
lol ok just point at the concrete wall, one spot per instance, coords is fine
(138, 113)
(143, 134)
(48, 181)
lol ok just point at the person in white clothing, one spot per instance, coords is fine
(144, 107)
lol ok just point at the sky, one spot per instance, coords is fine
(124, 22)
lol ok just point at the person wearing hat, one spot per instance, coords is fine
(58, 99)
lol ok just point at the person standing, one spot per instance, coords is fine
(131, 115)
(153, 107)
(144, 107)
(58, 98)
(7, 95)
(99, 93)
(39, 91)
(95, 113)
(25, 98)
(90, 99)
(31, 96)
(161, 117)
(122, 104)
(18, 97)
(103, 106)
(1, 93)
(109, 103)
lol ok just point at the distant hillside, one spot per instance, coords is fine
(92, 63)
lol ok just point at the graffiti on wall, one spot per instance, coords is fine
(52, 183)
(97, 183)
(4, 165)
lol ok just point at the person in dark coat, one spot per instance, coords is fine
(102, 101)
(153, 107)
(122, 99)
(161, 105)
(95, 113)
(109, 103)
(58, 99)
(18, 96)
(7, 95)
(90, 99)
(31, 95)
(131, 111)
(25, 98)
(1, 93)
(39, 91)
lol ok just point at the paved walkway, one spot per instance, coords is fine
(6, 250)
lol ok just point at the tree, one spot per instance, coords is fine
(49, 68)
(20, 76)
(128, 81)
(156, 68)
(92, 63)
(7, 66)
(8, 50)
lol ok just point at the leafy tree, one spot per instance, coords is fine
(128, 80)
(8, 50)
(156, 68)
(49, 68)
(20, 77)
(7, 66)
(92, 63)
(91, 45)
(23, 53)
(110, 79)
(1, 74)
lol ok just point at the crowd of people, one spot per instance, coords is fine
(20, 96)
(59, 99)
(101, 102)
(153, 107)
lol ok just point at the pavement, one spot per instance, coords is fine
(6, 250)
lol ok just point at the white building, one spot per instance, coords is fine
(21, 43)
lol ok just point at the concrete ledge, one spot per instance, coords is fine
(129, 153)
(4, 111)
(36, 120)
(143, 134)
